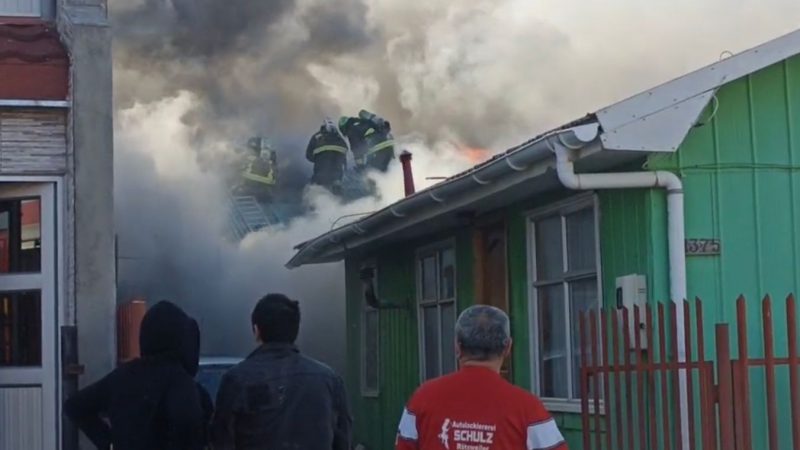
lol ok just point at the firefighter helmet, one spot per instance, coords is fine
(259, 143)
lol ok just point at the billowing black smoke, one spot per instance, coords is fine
(246, 61)
(279, 67)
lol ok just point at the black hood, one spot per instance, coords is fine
(168, 332)
(191, 349)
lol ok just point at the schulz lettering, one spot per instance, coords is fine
(467, 435)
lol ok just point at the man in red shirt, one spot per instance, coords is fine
(475, 408)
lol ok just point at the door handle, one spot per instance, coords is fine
(74, 370)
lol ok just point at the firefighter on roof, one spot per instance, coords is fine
(370, 139)
(259, 177)
(327, 150)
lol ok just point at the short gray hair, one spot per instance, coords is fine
(483, 332)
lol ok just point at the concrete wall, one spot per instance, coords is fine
(84, 25)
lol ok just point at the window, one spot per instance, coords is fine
(20, 328)
(436, 279)
(370, 339)
(23, 8)
(565, 282)
(20, 236)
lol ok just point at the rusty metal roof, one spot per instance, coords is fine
(34, 64)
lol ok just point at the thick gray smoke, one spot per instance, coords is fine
(172, 213)
(193, 78)
(246, 61)
(480, 72)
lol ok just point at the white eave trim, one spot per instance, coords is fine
(656, 120)
(35, 103)
(662, 131)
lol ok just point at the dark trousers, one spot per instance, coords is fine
(380, 160)
(328, 169)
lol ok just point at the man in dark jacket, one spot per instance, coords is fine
(153, 402)
(278, 398)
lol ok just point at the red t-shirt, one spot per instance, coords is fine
(476, 409)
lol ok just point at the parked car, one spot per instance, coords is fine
(212, 368)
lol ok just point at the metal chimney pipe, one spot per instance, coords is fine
(129, 321)
(408, 174)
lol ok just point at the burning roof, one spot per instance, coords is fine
(656, 120)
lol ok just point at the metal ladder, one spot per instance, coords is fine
(247, 216)
(271, 214)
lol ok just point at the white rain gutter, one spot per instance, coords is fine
(564, 151)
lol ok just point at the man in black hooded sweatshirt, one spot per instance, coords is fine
(153, 402)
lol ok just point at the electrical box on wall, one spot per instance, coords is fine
(632, 291)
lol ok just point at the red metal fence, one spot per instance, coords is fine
(636, 393)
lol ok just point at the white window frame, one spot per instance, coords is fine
(422, 253)
(367, 391)
(41, 9)
(50, 280)
(562, 208)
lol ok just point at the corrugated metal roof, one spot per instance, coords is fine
(34, 64)
(588, 118)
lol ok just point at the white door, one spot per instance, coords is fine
(27, 317)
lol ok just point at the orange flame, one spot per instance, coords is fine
(475, 155)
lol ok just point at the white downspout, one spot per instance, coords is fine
(675, 236)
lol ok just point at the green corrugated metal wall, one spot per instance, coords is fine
(376, 418)
(740, 175)
(626, 245)
(740, 178)
(569, 424)
(740, 181)
(398, 350)
(633, 241)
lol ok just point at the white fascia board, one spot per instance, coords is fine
(663, 131)
(640, 107)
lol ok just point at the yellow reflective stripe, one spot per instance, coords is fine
(381, 146)
(330, 148)
(258, 178)
(370, 131)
